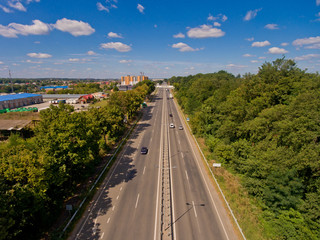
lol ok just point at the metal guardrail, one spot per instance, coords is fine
(97, 180)
(233, 216)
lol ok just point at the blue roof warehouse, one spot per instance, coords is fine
(19, 100)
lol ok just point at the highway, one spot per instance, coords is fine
(165, 194)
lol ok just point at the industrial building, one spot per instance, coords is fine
(19, 100)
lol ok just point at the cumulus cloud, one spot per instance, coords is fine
(261, 44)
(284, 44)
(184, 47)
(276, 50)
(125, 61)
(114, 35)
(254, 61)
(140, 8)
(37, 62)
(5, 9)
(74, 27)
(248, 55)
(91, 53)
(251, 14)
(205, 31)
(306, 41)
(216, 24)
(271, 26)
(1, 62)
(15, 29)
(179, 35)
(74, 59)
(18, 5)
(39, 55)
(306, 57)
(120, 47)
(262, 57)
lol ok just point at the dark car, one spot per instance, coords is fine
(170, 114)
(144, 150)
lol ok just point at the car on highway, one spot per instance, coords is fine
(144, 150)
(180, 127)
(170, 114)
(188, 119)
(171, 125)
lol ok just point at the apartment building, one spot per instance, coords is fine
(132, 80)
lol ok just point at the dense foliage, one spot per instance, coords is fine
(80, 88)
(265, 128)
(38, 174)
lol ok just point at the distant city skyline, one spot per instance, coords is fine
(112, 38)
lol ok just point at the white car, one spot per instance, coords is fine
(171, 125)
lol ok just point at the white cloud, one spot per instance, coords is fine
(251, 14)
(248, 55)
(91, 53)
(39, 55)
(37, 28)
(254, 61)
(205, 31)
(109, 5)
(306, 41)
(318, 2)
(220, 17)
(114, 35)
(18, 5)
(235, 66)
(140, 8)
(184, 47)
(216, 24)
(306, 57)
(125, 61)
(314, 46)
(74, 27)
(271, 26)
(8, 32)
(37, 62)
(155, 26)
(262, 57)
(261, 44)
(250, 39)
(102, 8)
(74, 60)
(284, 44)
(5, 9)
(276, 50)
(120, 47)
(1, 62)
(179, 35)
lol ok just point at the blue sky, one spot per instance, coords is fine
(108, 39)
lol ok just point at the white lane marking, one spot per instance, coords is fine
(151, 139)
(102, 235)
(137, 200)
(182, 154)
(144, 169)
(120, 189)
(187, 175)
(194, 208)
(108, 220)
(203, 178)
(179, 141)
(113, 208)
(157, 203)
(117, 197)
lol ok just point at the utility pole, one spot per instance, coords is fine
(11, 81)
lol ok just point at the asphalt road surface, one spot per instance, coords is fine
(128, 204)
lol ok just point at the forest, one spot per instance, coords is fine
(38, 174)
(264, 128)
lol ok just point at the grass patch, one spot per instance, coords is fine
(20, 116)
(243, 206)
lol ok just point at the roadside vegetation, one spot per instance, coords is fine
(264, 128)
(38, 174)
